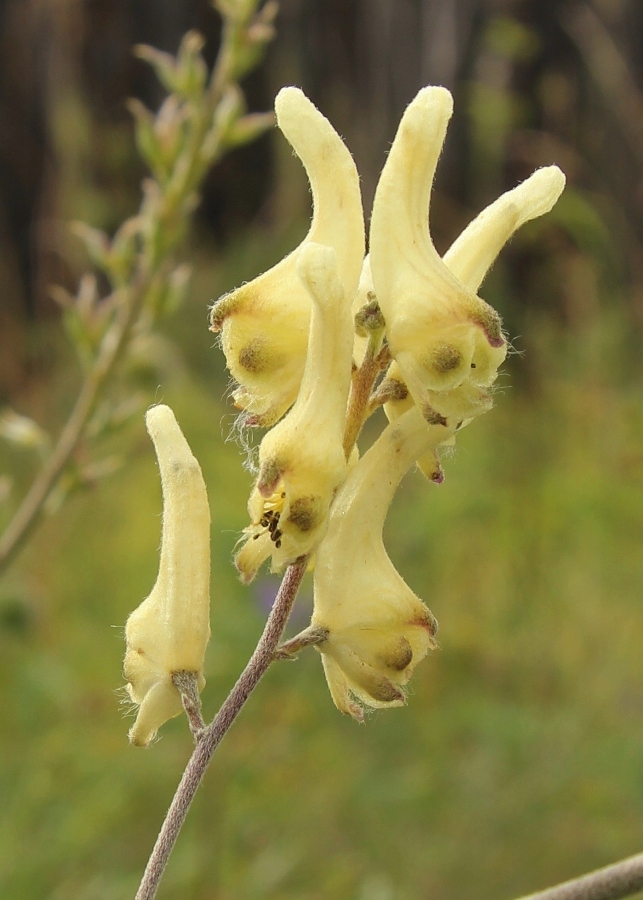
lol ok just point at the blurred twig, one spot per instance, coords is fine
(201, 119)
(622, 879)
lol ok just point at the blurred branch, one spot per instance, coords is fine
(609, 70)
(209, 739)
(198, 122)
(622, 879)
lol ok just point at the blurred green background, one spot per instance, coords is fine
(518, 761)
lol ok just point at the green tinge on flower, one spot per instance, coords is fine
(301, 459)
(170, 630)
(378, 629)
(442, 334)
(264, 324)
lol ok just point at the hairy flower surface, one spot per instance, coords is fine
(376, 629)
(447, 342)
(169, 632)
(471, 256)
(302, 461)
(264, 324)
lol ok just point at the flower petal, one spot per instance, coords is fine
(473, 253)
(378, 629)
(438, 330)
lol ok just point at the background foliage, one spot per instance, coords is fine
(518, 760)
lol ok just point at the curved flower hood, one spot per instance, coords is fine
(264, 324)
(442, 335)
(376, 629)
(471, 256)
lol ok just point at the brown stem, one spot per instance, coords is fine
(211, 737)
(622, 879)
(390, 389)
(361, 387)
(187, 684)
(311, 636)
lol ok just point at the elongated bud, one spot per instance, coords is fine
(170, 630)
(302, 460)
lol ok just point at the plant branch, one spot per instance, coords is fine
(310, 637)
(188, 172)
(29, 512)
(213, 734)
(622, 879)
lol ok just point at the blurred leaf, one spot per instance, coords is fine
(22, 432)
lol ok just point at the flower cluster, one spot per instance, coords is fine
(307, 342)
(317, 343)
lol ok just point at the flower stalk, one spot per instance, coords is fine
(212, 735)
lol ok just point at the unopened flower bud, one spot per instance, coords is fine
(170, 630)
(264, 324)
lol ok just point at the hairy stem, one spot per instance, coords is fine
(622, 879)
(310, 637)
(211, 737)
(187, 685)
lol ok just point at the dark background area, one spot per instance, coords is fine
(534, 83)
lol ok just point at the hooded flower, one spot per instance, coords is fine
(471, 256)
(302, 461)
(264, 324)
(447, 342)
(376, 629)
(170, 630)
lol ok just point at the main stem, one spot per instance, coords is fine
(211, 737)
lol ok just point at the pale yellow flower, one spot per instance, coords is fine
(376, 629)
(264, 324)
(302, 461)
(170, 630)
(470, 257)
(447, 342)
